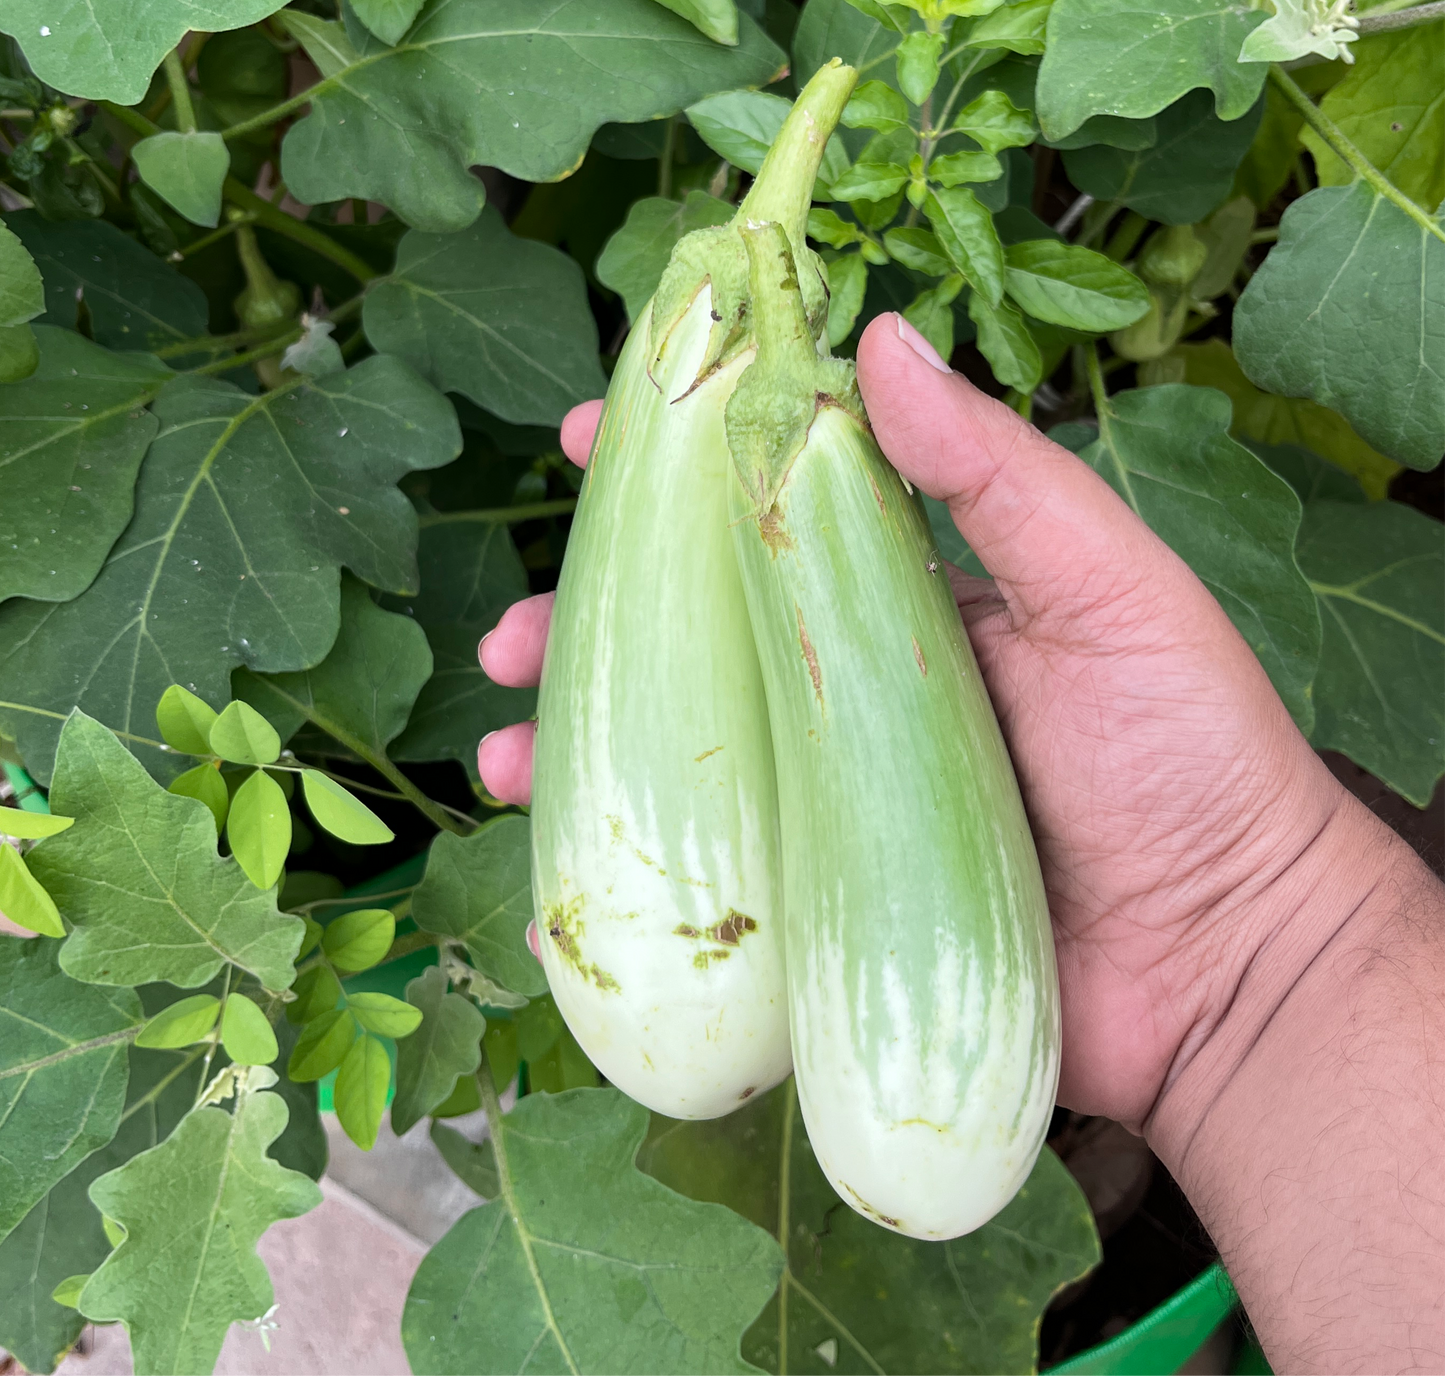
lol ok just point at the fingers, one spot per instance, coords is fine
(504, 760)
(511, 652)
(1052, 532)
(578, 427)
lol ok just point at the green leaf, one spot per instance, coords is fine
(210, 573)
(1285, 420)
(107, 50)
(19, 352)
(62, 1237)
(22, 298)
(62, 1071)
(259, 828)
(953, 169)
(324, 40)
(181, 1023)
(473, 87)
(384, 1015)
(864, 34)
(917, 64)
(1349, 310)
(718, 19)
(1226, 236)
(303, 1146)
(72, 436)
(477, 889)
(875, 105)
(23, 898)
(242, 735)
(1133, 59)
(883, 1301)
(246, 1033)
(741, 126)
(919, 249)
(132, 299)
(965, 230)
(444, 1048)
(1018, 27)
(1379, 572)
(1004, 340)
(931, 313)
(1312, 478)
(363, 691)
(387, 19)
(1068, 285)
(193, 1209)
(32, 826)
(322, 1045)
(356, 941)
(360, 1090)
(139, 876)
(1167, 452)
(584, 1264)
(993, 121)
(342, 813)
(502, 320)
(185, 721)
(317, 991)
(474, 1163)
(1389, 107)
(633, 260)
(847, 285)
(1182, 175)
(205, 783)
(470, 574)
(870, 181)
(186, 171)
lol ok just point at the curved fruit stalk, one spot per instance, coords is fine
(924, 998)
(654, 819)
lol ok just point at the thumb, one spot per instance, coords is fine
(1052, 532)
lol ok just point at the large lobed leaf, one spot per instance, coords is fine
(193, 1209)
(502, 320)
(485, 81)
(72, 437)
(446, 1046)
(1167, 452)
(861, 1299)
(139, 877)
(1134, 57)
(22, 298)
(62, 1071)
(1349, 310)
(244, 511)
(583, 1263)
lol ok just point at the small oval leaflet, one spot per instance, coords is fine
(384, 1015)
(184, 1022)
(356, 941)
(23, 899)
(32, 826)
(259, 828)
(205, 784)
(322, 1045)
(246, 1033)
(341, 813)
(243, 736)
(317, 992)
(360, 1090)
(185, 721)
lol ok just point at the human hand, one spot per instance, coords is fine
(1166, 784)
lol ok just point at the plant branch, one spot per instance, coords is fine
(280, 222)
(1106, 415)
(1346, 150)
(180, 93)
(1402, 18)
(502, 515)
(243, 217)
(407, 944)
(132, 119)
(664, 162)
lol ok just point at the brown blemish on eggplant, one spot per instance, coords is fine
(918, 655)
(564, 927)
(748, 1093)
(683, 929)
(775, 535)
(810, 656)
(868, 1209)
(877, 495)
(698, 759)
(732, 928)
(704, 958)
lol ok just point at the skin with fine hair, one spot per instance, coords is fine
(1252, 966)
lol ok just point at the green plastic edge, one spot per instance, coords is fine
(1161, 1342)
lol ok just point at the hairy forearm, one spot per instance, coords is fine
(1309, 1130)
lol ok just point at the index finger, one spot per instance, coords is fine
(579, 425)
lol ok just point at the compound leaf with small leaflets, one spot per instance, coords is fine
(244, 511)
(1134, 58)
(583, 1263)
(139, 876)
(477, 889)
(634, 257)
(445, 1047)
(500, 319)
(477, 82)
(1167, 452)
(63, 1070)
(193, 1209)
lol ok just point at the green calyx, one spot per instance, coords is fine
(776, 399)
(782, 193)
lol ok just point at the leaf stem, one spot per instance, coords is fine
(1346, 150)
(348, 898)
(216, 1037)
(132, 119)
(492, 1106)
(180, 93)
(1106, 415)
(502, 515)
(206, 240)
(664, 161)
(1401, 18)
(277, 220)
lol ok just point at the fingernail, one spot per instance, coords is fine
(482, 645)
(485, 739)
(921, 346)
